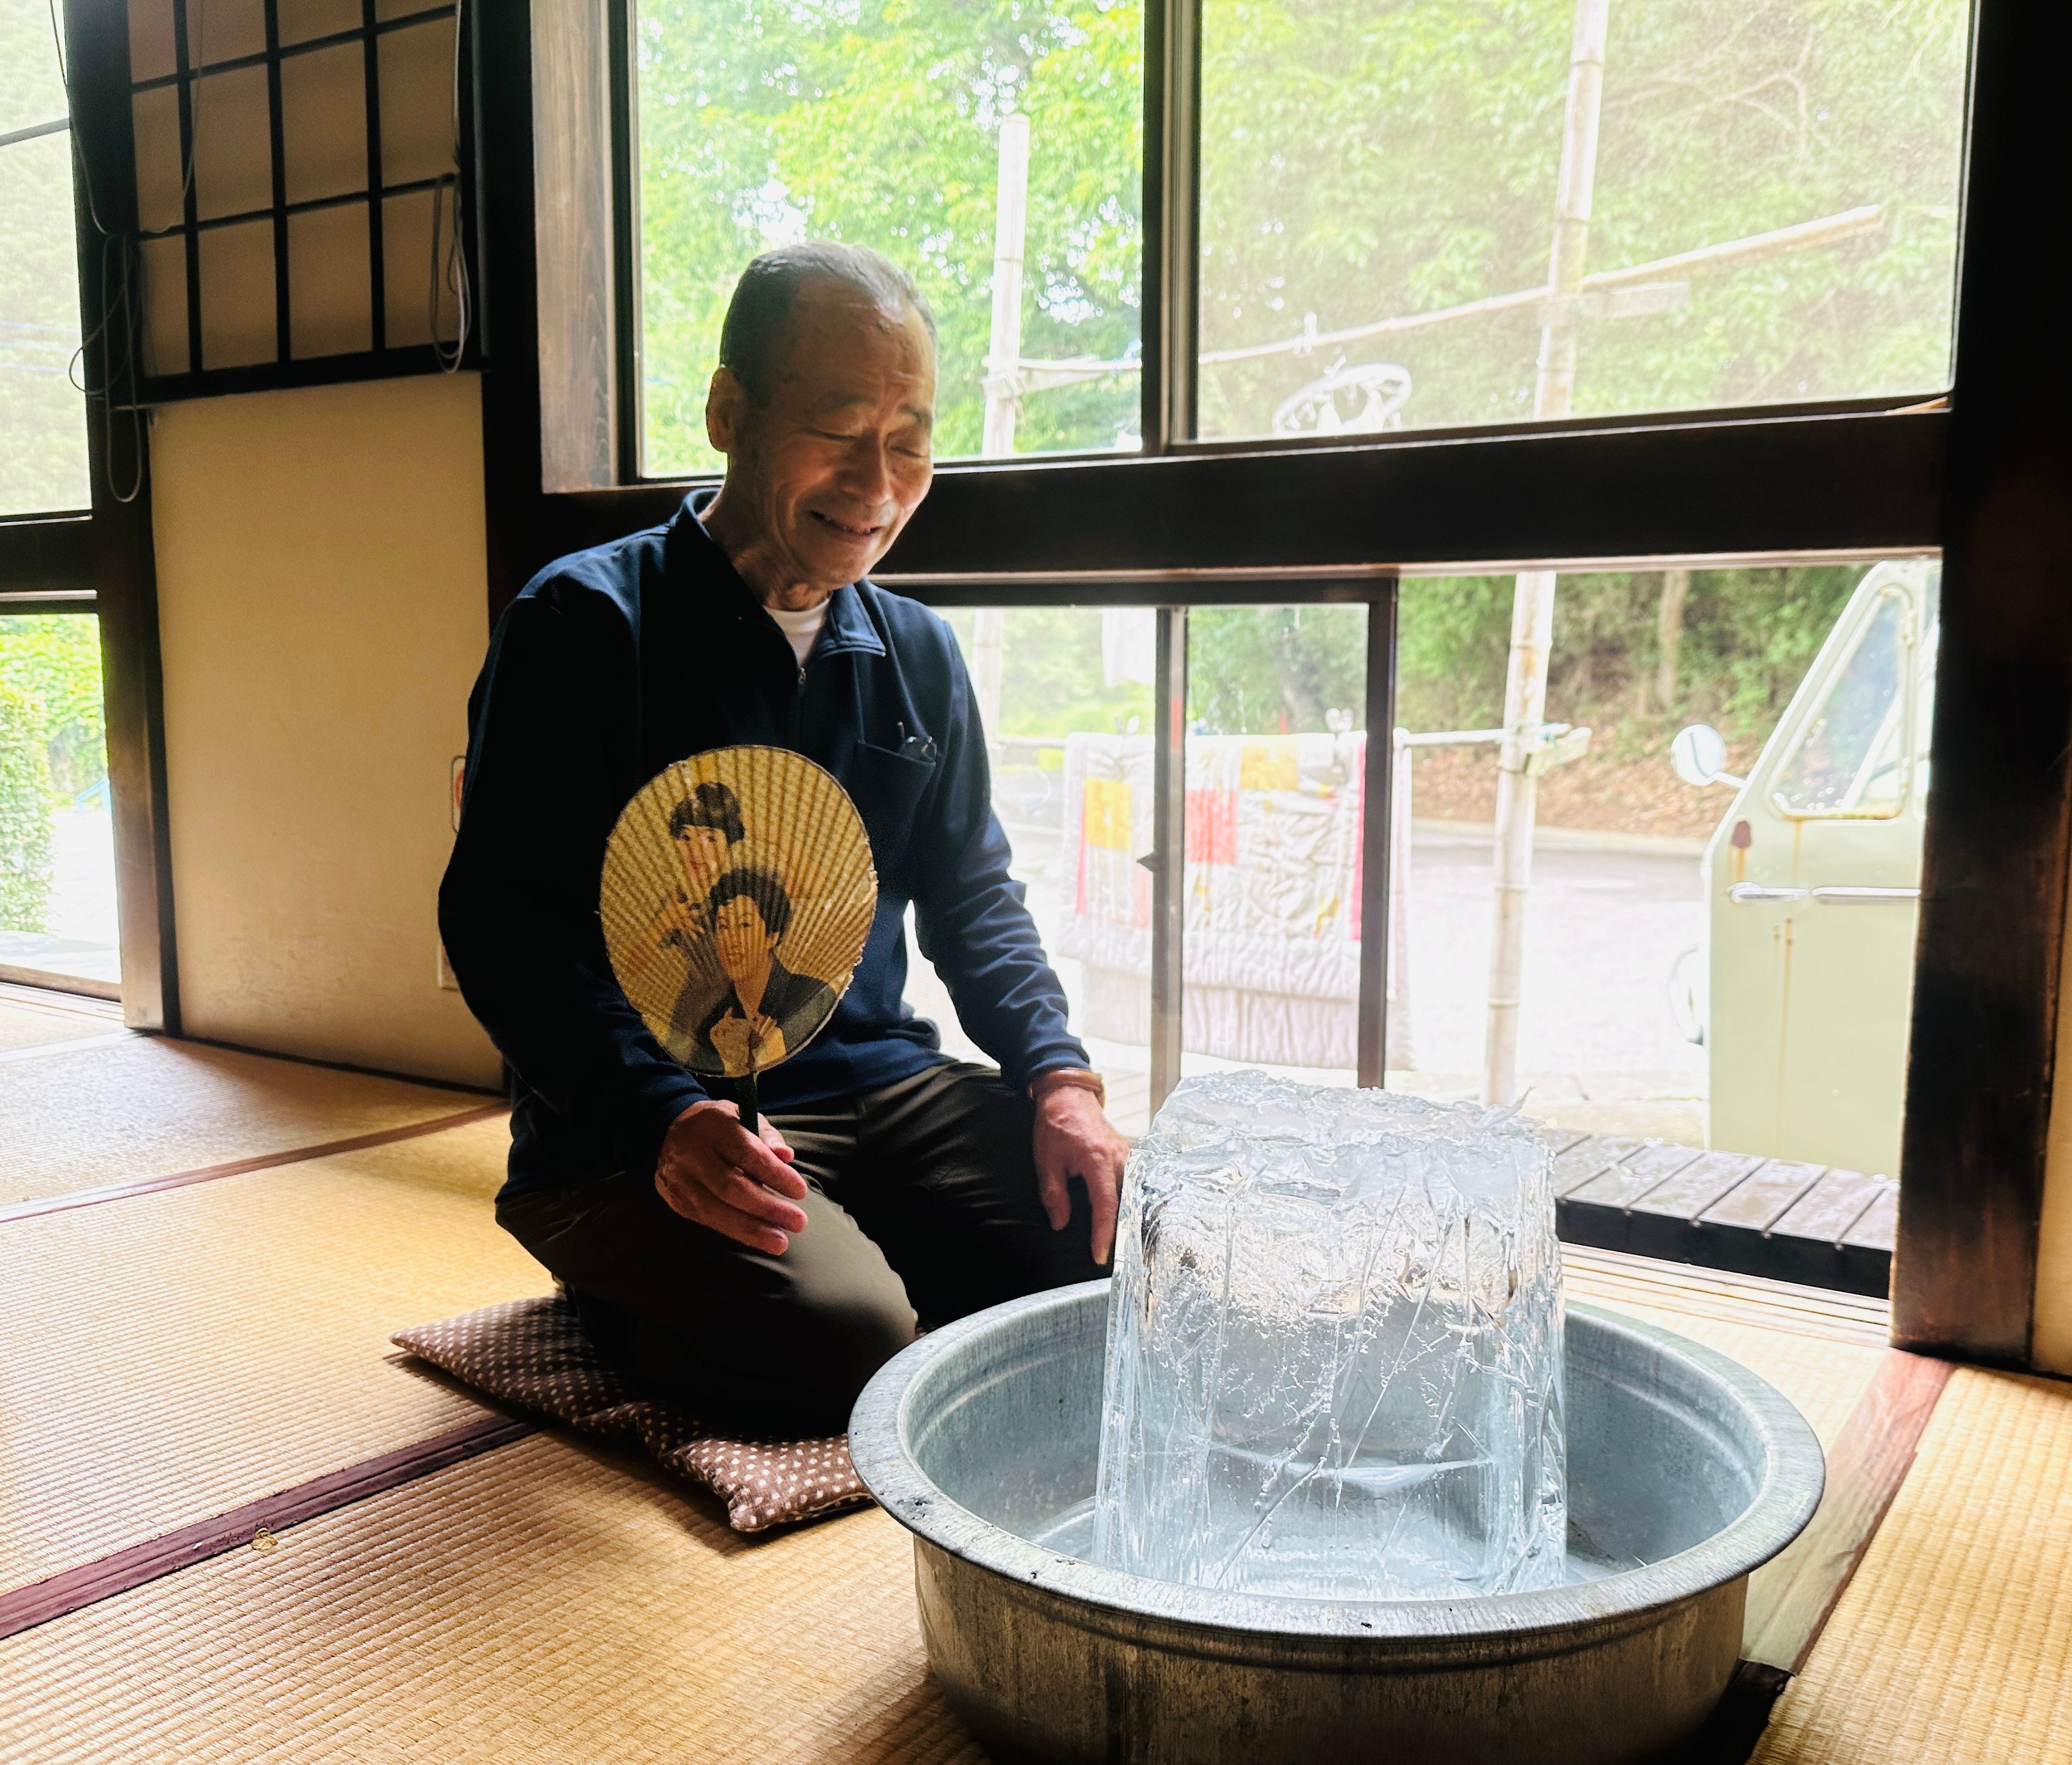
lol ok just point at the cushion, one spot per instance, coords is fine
(533, 1354)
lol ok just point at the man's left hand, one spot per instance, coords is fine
(1074, 1138)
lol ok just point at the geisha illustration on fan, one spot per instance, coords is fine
(738, 892)
(767, 1010)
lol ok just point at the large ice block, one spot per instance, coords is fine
(1334, 1349)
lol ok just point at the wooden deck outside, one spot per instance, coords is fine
(1776, 1217)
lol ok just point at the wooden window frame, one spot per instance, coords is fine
(1982, 479)
(99, 559)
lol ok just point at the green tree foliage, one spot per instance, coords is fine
(43, 418)
(54, 659)
(25, 814)
(1052, 680)
(1748, 636)
(877, 121)
(1451, 636)
(1263, 670)
(1364, 160)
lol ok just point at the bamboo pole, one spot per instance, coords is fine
(1010, 226)
(1003, 382)
(988, 644)
(1532, 604)
(1402, 1050)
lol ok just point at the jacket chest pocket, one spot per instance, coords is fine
(888, 787)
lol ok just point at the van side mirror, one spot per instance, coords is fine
(1699, 754)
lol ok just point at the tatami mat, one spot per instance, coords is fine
(25, 1025)
(169, 1356)
(550, 1602)
(1820, 1361)
(1952, 1642)
(540, 1603)
(1612, 1277)
(148, 1106)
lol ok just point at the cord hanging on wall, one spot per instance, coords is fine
(455, 275)
(118, 326)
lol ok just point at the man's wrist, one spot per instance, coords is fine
(1068, 1078)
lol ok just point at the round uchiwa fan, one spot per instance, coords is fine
(737, 895)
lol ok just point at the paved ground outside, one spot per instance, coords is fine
(1600, 1047)
(80, 938)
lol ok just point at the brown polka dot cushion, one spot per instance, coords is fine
(531, 1353)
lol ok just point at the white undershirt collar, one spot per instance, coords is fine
(803, 629)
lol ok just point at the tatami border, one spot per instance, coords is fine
(1789, 1602)
(1791, 1598)
(265, 1161)
(42, 1601)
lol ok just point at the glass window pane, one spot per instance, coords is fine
(1680, 979)
(1770, 216)
(1276, 748)
(43, 414)
(31, 90)
(57, 843)
(1848, 761)
(881, 122)
(1066, 697)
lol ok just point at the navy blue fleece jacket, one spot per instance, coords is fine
(615, 662)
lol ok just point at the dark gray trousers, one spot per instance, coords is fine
(921, 1199)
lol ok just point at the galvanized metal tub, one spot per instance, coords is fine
(982, 1438)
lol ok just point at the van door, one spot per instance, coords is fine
(1814, 882)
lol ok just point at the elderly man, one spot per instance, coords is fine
(764, 1278)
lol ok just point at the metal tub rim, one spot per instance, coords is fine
(1239, 1627)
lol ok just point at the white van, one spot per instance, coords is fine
(1813, 884)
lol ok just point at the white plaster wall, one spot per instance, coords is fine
(322, 614)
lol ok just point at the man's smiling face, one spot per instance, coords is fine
(821, 479)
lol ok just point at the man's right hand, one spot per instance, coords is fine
(712, 1170)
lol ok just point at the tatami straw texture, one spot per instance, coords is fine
(171, 1357)
(1952, 1643)
(150, 1106)
(544, 1602)
(538, 1603)
(1611, 1277)
(1823, 1373)
(36, 1026)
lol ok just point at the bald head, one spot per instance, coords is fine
(757, 334)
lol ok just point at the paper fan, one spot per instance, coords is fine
(737, 894)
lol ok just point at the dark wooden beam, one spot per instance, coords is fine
(1994, 871)
(45, 556)
(113, 554)
(1847, 481)
(525, 528)
(1793, 484)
